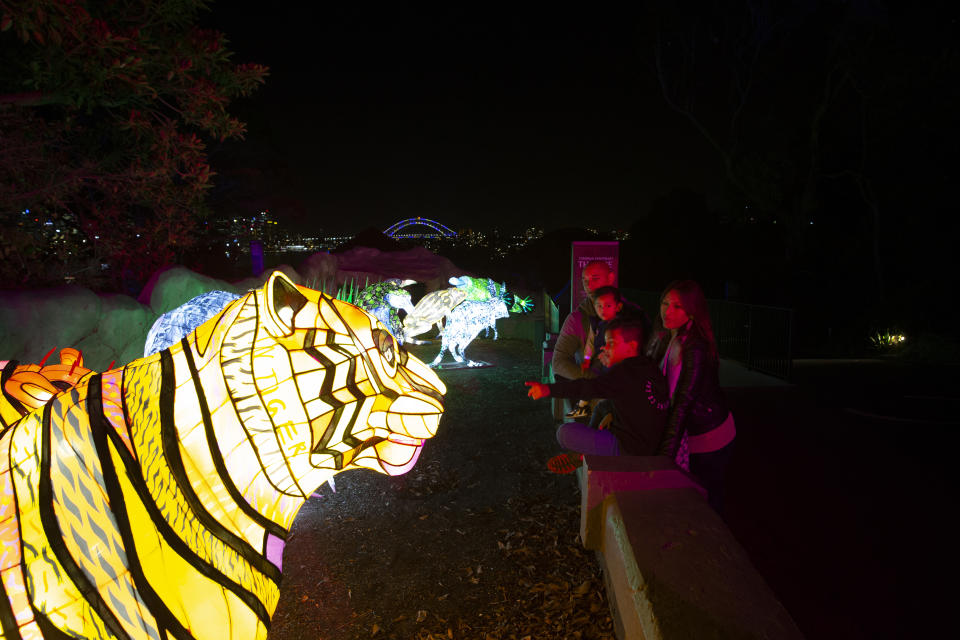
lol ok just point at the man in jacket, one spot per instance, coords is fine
(568, 351)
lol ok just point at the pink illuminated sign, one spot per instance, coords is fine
(583, 253)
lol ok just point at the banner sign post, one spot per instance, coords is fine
(583, 253)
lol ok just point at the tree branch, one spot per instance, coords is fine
(25, 99)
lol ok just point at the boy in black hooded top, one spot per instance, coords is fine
(637, 392)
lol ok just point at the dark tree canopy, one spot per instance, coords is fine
(830, 121)
(105, 110)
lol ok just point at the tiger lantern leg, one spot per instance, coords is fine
(153, 501)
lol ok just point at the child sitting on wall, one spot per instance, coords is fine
(638, 395)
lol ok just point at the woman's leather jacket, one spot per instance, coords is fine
(698, 404)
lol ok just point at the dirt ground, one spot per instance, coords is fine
(840, 490)
(479, 540)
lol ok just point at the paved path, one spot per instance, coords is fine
(734, 374)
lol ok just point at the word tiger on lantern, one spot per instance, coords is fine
(153, 501)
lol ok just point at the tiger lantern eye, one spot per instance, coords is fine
(387, 346)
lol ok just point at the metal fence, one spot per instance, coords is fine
(758, 336)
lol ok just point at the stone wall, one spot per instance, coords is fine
(672, 567)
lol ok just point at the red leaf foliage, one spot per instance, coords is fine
(109, 131)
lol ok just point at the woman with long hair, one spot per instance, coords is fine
(700, 429)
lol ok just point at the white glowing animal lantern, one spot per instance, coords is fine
(465, 322)
(430, 310)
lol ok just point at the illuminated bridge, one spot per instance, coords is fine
(424, 228)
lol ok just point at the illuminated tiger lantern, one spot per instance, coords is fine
(152, 501)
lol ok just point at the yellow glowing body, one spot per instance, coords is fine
(152, 501)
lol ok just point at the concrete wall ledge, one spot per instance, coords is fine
(672, 568)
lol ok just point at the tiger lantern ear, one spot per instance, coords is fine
(284, 301)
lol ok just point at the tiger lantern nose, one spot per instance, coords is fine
(416, 413)
(414, 417)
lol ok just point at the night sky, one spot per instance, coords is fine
(512, 119)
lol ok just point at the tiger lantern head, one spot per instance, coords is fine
(331, 388)
(316, 386)
(153, 501)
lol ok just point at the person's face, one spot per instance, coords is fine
(607, 307)
(596, 276)
(672, 312)
(616, 349)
